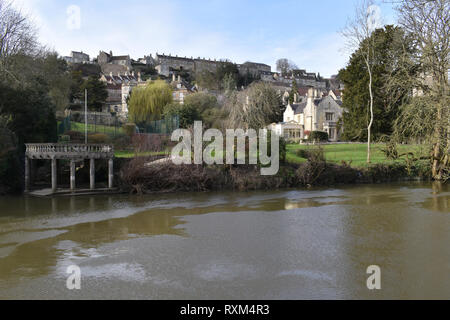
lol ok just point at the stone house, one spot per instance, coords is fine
(253, 68)
(119, 87)
(167, 64)
(317, 113)
(114, 99)
(181, 89)
(77, 57)
(115, 64)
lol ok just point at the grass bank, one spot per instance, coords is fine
(353, 154)
(137, 176)
(109, 130)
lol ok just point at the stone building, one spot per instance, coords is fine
(317, 113)
(115, 64)
(181, 89)
(167, 64)
(303, 79)
(114, 99)
(77, 57)
(119, 87)
(253, 68)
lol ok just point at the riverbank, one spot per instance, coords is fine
(137, 176)
(304, 166)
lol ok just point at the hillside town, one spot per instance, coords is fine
(316, 103)
(224, 150)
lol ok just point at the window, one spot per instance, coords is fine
(329, 116)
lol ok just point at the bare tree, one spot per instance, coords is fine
(17, 36)
(428, 23)
(358, 36)
(255, 107)
(284, 66)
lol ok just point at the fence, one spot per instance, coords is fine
(165, 126)
(111, 125)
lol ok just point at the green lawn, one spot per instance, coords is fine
(354, 153)
(131, 154)
(110, 130)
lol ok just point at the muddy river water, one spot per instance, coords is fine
(287, 244)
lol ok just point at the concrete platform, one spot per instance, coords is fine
(67, 192)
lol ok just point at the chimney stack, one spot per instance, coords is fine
(173, 77)
(179, 78)
(310, 94)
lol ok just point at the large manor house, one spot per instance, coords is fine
(316, 105)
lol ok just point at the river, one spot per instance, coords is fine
(287, 244)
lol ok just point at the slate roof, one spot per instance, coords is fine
(298, 108)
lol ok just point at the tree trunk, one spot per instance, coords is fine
(369, 127)
(436, 168)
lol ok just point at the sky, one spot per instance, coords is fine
(304, 31)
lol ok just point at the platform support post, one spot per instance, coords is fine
(72, 175)
(110, 173)
(54, 175)
(92, 173)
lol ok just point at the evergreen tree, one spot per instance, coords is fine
(392, 49)
(294, 91)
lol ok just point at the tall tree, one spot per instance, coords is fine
(391, 60)
(256, 107)
(294, 92)
(17, 37)
(358, 35)
(428, 23)
(284, 66)
(96, 91)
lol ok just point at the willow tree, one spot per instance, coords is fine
(147, 103)
(427, 116)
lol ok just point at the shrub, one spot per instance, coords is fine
(65, 138)
(75, 136)
(98, 138)
(302, 153)
(76, 117)
(283, 150)
(318, 136)
(129, 129)
(310, 172)
(122, 142)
